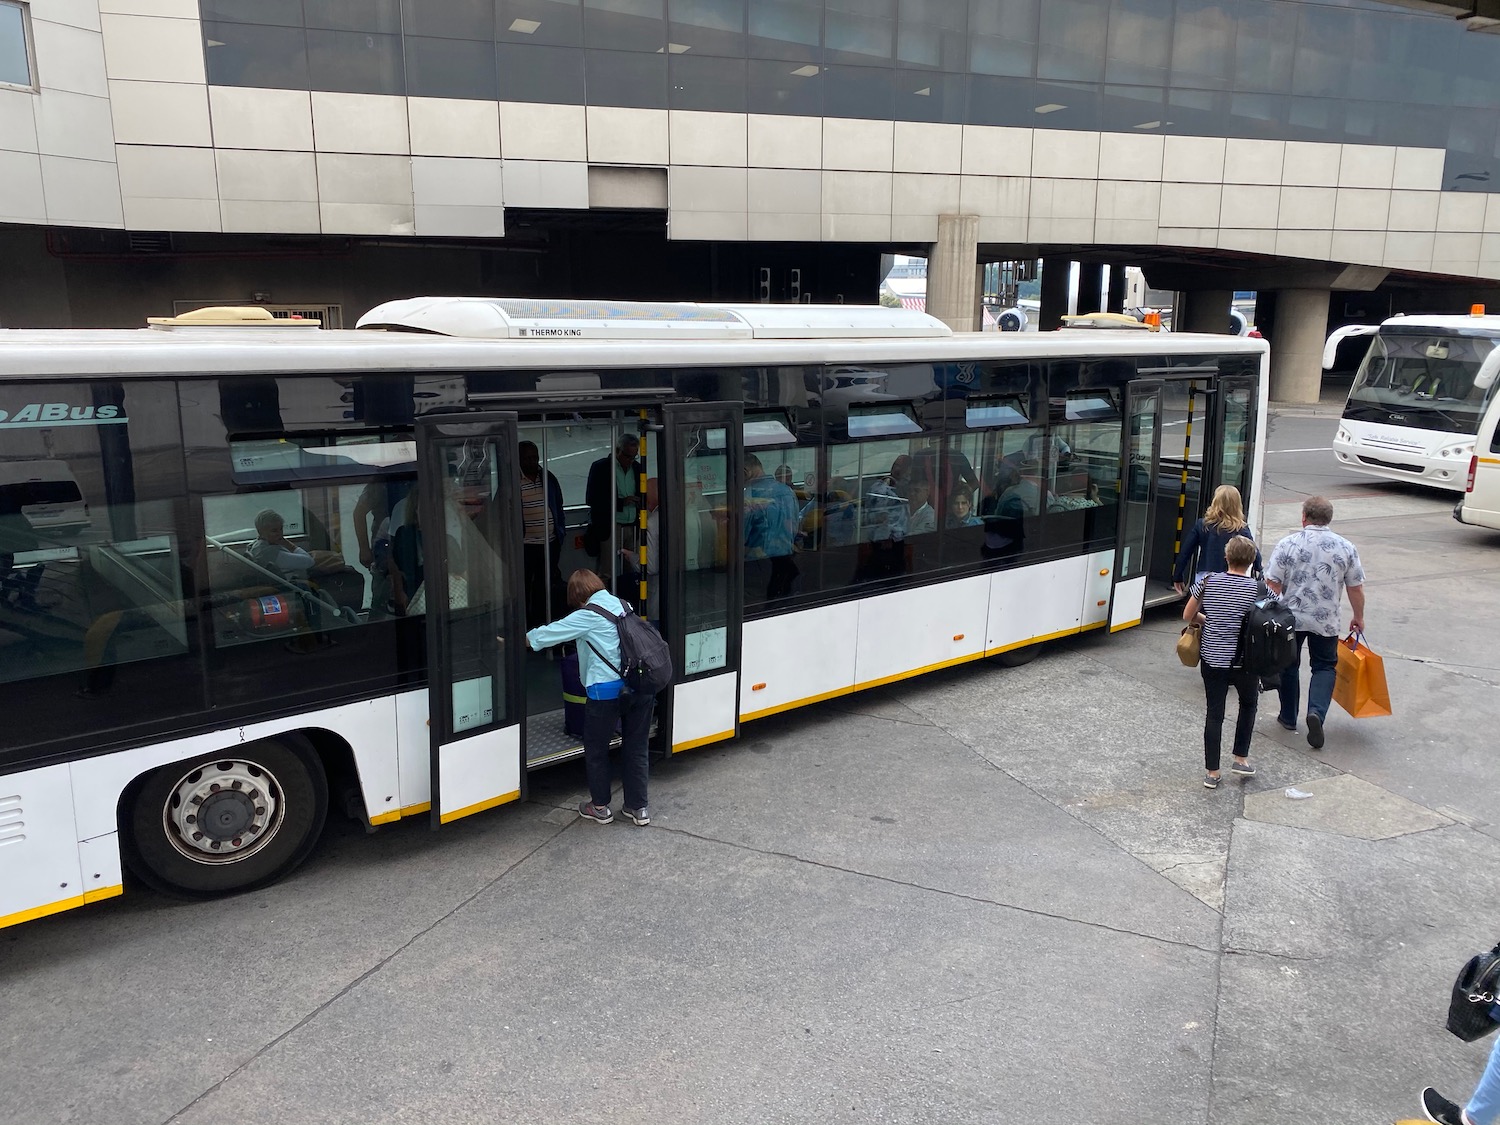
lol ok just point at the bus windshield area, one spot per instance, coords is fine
(1422, 381)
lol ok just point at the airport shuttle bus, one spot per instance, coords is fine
(1417, 399)
(250, 568)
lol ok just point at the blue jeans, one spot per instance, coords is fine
(633, 714)
(1323, 657)
(1484, 1106)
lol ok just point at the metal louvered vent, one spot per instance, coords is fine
(12, 822)
(150, 242)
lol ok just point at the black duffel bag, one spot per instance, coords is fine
(1471, 1012)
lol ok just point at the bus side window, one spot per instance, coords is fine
(276, 567)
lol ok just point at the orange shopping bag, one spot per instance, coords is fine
(1360, 687)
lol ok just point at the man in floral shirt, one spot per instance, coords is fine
(1309, 570)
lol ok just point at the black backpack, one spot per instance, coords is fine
(645, 661)
(1268, 636)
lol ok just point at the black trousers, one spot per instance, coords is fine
(632, 714)
(539, 560)
(1216, 685)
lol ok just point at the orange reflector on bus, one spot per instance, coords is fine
(1476, 310)
(757, 687)
(958, 636)
(1103, 572)
(1101, 603)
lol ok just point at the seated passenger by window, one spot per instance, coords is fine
(961, 511)
(920, 519)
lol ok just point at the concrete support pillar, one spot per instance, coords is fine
(952, 281)
(1203, 310)
(1114, 300)
(1090, 287)
(1301, 329)
(1055, 273)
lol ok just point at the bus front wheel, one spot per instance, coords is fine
(226, 822)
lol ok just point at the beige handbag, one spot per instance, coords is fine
(1187, 645)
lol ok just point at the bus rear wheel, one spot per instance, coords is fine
(1015, 657)
(226, 822)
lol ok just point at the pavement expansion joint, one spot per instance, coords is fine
(1345, 805)
(978, 899)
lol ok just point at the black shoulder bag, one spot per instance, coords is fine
(1471, 1011)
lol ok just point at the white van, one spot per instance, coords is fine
(45, 494)
(1480, 503)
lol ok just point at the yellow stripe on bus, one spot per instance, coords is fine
(60, 905)
(470, 810)
(1124, 625)
(1489, 460)
(694, 743)
(41, 911)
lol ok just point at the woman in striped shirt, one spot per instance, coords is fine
(1219, 604)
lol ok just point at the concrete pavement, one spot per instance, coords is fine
(990, 895)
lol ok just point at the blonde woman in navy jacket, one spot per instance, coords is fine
(1208, 537)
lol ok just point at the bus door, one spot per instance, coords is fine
(1140, 469)
(1234, 435)
(469, 521)
(702, 549)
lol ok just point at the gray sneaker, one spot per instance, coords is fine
(641, 816)
(600, 814)
(1210, 781)
(1244, 769)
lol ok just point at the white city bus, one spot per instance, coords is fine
(1417, 398)
(182, 695)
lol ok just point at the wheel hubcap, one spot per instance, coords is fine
(223, 812)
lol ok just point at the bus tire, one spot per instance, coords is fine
(1015, 657)
(226, 822)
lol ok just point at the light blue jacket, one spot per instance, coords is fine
(600, 681)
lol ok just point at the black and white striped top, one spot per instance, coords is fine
(1224, 599)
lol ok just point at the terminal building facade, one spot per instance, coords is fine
(326, 155)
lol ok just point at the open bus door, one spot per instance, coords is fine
(468, 541)
(702, 556)
(1139, 473)
(1234, 435)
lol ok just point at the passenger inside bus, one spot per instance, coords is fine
(771, 522)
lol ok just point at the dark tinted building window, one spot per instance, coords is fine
(540, 74)
(450, 68)
(540, 22)
(707, 27)
(380, 16)
(858, 91)
(355, 63)
(704, 83)
(1072, 40)
(248, 55)
(625, 25)
(450, 19)
(626, 78)
(781, 86)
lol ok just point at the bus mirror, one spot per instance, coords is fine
(1484, 378)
